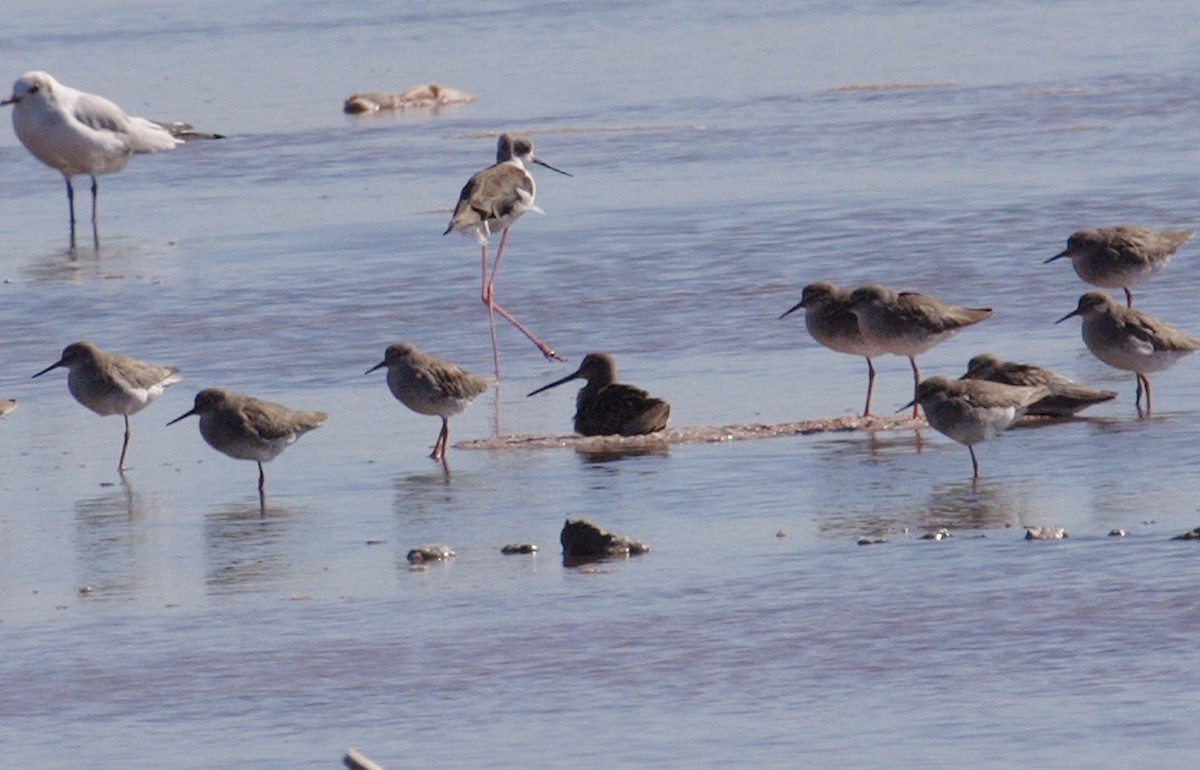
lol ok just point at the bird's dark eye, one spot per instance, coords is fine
(34, 89)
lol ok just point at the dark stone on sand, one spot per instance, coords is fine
(1191, 534)
(584, 541)
(513, 548)
(429, 552)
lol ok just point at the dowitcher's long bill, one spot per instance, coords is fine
(493, 199)
(1128, 339)
(907, 324)
(830, 322)
(430, 385)
(605, 407)
(247, 428)
(1121, 257)
(970, 411)
(80, 133)
(1066, 396)
(110, 383)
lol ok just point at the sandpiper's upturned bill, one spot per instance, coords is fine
(605, 407)
(1121, 257)
(1066, 396)
(493, 199)
(430, 385)
(110, 383)
(830, 322)
(247, 428)
(1128, 339)
(970, 411)
(907, 324)
(80, 133)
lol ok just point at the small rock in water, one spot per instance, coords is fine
(1118, 533)
(513, 548)
(937, 534)
(781, 534)
(1045, 533)
(1191, 534)
(871, 540)
(429, 552)
(582, 540)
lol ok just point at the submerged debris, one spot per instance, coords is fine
(584, 541)
(1191, 534)
(697, 434)
(429, 552)
(1045, 533)
(513, 548)
(937, 534)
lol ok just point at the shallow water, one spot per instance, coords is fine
(724, 156)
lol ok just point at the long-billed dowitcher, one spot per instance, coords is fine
(430, 385)
(1121, 257)
(247, 428)
(830, 323)
(1066, 396)
(970, 411)
(80, 133)
(907, 324)
(493, 199)
(1128, 339)
(605, 407)
(110, 383)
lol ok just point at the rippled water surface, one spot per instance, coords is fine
(724, 155)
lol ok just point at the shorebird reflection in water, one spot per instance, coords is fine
(430, 385)
(110, 383)
(247, 428)
(605, 407)
(493, 199)
(970, 411)
(1121, 257)
(830, 322)
(1066, 397)
(907, 324)
(80, 133)
(1128, 339)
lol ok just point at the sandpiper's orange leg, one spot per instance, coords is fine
(1128, 297)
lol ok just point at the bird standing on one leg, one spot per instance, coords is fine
(110, 383)
(492, 200)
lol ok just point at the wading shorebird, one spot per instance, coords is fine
(78, 133)
(493, 199)
(430, 385)
(970, 411)
(605, 407)
(247, 428)
(1066, 396)
(907, 324)
(1128, 339)
(833, 325)
(1121, 257)
(110, 383)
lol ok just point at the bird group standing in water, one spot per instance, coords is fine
(78, 133)
(994, 393)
